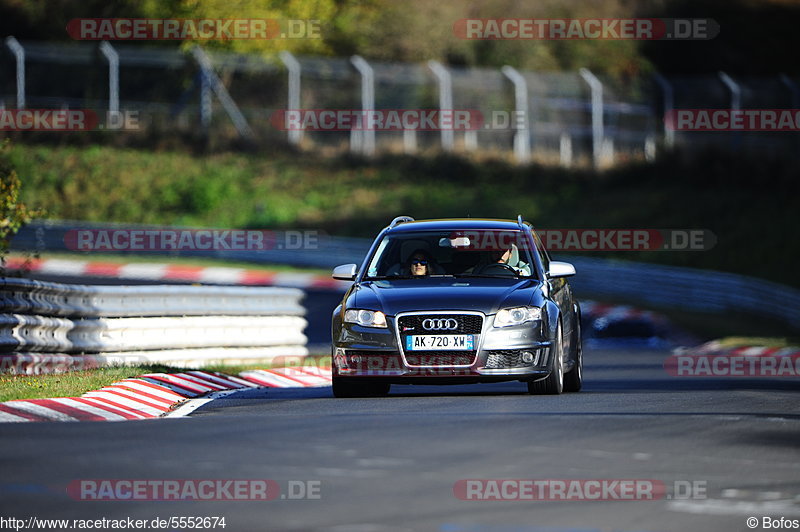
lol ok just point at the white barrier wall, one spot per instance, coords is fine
(177, 325)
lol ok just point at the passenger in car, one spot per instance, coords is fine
(420, 263)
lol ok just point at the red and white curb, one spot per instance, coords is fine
(174, 272)
(715, 348)
(157, 394)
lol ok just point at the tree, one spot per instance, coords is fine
(13, 213)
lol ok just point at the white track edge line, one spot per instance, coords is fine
(190, 405)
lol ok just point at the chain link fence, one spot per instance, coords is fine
(565, 118)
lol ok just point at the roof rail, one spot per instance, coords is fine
(400, 219)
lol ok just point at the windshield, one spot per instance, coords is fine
(474, 253)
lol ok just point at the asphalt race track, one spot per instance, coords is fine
(391, 463)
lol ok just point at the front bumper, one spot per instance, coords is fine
(509, 353)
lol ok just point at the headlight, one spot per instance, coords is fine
(367, 318)
(517, 316)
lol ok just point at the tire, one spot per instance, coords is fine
(573, 381)
(554, 383)
(347, 388)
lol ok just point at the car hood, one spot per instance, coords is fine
(447, 293)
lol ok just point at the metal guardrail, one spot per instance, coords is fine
(165, 324)
(51, 235)
(642, 283)
(686, 288)
(24, 296)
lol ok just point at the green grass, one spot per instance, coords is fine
(748, 202)
(75, 383)
(69, 384)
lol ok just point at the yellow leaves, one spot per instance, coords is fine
(13, 213)
(321, 11)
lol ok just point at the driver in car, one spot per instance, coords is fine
(510, 257)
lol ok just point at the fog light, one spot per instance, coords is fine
(528, 357)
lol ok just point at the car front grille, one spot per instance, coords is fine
(440, 358)
(466, 323)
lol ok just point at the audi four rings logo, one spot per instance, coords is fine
(446, 324)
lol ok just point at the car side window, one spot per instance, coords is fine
(543, 255)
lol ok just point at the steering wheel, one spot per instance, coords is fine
(500, 266)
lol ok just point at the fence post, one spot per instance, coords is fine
(792, 86)
(445, 101)
(112, 57)
(736, 91)
(19, 54)
(409, 141)
(736, 102)
(565, 150)
(219, 89)
(293, 100)
(650, 148)
(669, 105)
(205, 102)
(522, 132)
(367, 136)
(596, 88)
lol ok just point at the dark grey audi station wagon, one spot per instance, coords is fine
(456, 301)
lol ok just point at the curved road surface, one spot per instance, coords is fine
(391, 463)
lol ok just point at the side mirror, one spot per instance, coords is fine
(345, 272)
(560, 269)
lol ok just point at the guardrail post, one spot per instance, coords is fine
(445, 101)
(19, 55)
(293, 66)
(669, 104)
(363, 140)
(224, 97)
(522, 132)
(596, 88)
(112, 57)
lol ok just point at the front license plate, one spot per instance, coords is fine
(440, 342)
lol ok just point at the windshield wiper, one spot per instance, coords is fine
(488, 276)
